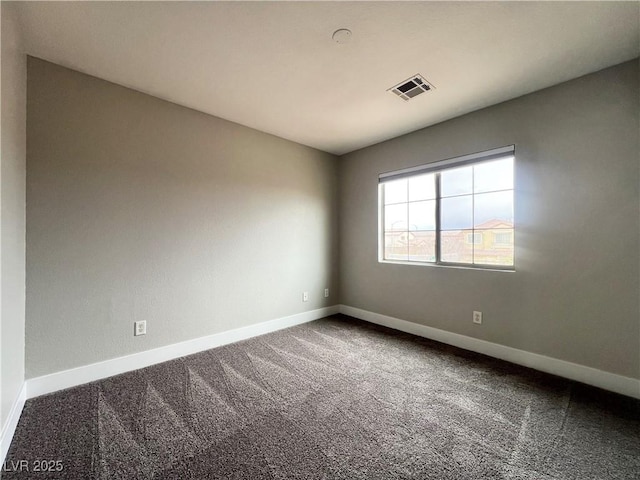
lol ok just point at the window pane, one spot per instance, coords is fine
(454, 247)
(456, 213)
(493, 210)
(395, 217)
(422, 187)
(496, 249)
(422, 215)
(491, 176)
(395, 191)
(396, 246)
(422, 246)
(457, 181)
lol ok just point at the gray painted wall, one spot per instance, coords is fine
(575, 294)
(12, 205)
(139, 209)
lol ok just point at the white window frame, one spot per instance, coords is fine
(437, 168)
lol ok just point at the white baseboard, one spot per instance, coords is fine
(12, 422)
(592, 376)
(97, 371)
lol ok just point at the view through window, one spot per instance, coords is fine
(455, 212)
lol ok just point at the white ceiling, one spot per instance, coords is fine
(274, 67)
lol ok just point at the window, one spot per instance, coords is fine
(475, 238)
(456, 212)
(503, 238)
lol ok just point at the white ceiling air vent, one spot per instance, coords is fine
(411, 87)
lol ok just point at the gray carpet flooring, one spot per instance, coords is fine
(333, 399)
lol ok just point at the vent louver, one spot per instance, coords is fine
(411, 87)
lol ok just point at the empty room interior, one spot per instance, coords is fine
(332, 240)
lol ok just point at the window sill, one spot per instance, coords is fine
(483, 268)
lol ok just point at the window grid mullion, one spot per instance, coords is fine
(383, 229)
(437, 178)
(473, 214)
(408, 224)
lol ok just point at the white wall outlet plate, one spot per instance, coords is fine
(477, 317)
(326, 293)
(140, 328)
(305, 296)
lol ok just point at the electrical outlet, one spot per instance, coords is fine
(326, 293)
(305, 296)
(140, 328)
(477, 317)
